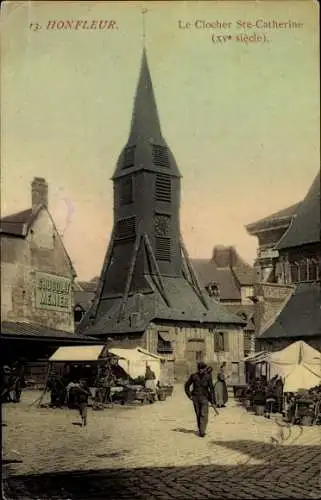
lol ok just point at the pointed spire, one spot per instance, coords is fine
(145, 121)
(144, 27)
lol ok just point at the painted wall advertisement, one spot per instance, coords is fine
(53, 292)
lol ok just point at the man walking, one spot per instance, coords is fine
(201, 394)
(82, 395)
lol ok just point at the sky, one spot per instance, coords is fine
(242, 119)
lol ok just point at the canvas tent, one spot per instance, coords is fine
(298, 364)
(78, 353)
(134, 361)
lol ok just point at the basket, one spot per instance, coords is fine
(259, 410)
(307, 420)
(161, 395)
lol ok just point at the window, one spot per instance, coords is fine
(220, 341)
(163, 188)
(235, 370)
(126, 191)
(160, 156)
(163, 249)
(129, 157)
(126, 228)
(199, 356)
(164, 344)
(78, 314)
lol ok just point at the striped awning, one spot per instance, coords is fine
(257, 357)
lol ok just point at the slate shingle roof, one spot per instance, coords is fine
(305, 226)
(301, 315)
(17, 223)
(83, 298)
(207, 271)
(28, 330)
(186, 307)
(281, 218)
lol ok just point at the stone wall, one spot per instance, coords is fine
(40, 251)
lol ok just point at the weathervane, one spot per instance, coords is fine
(143, 12)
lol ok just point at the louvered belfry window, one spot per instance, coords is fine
(126, 228)
(160, 156)
(129, 157)
(163, 188)
(126, 191)
(163, 249)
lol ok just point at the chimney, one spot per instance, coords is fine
(39, 192)
(224, 256)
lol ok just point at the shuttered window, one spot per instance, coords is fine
(164, 344)
(126, 228)
(129, 157)
(163, 249)
(221, 342)
(126, 191)
(163, 190)
(160, 156)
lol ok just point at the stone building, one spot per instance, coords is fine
(289, 307)
(37, 279)
(148, 293)
(273, 236)
(231, 280)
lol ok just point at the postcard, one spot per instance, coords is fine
(160, 249)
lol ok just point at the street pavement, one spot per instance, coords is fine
(153, 452)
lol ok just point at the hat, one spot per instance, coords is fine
(201, 365)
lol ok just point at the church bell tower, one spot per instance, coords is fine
(147, 273)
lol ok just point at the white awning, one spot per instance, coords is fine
(78, 353)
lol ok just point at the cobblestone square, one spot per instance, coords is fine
(153, 452)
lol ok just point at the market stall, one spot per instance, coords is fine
(69, 364)
(134, 362)
(285, 383)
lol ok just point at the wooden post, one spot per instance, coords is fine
(130, 276)
(93, 309)
(196, 285)
(160, 285)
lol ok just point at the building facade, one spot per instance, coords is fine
(288, 303)
(231, 280)
(148, 292)
(37, 277)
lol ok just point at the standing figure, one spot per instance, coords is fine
(221, 395)
(201, 394)
(53, 387)
(150, 379)
(82, 394)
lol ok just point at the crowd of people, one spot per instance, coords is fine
(72, 390)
